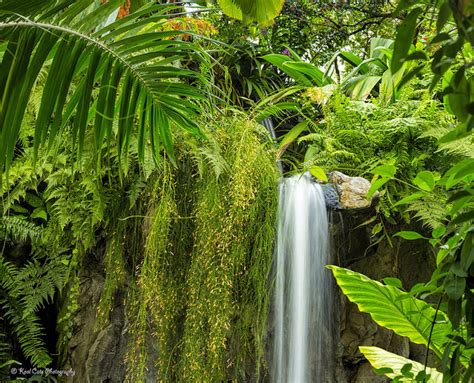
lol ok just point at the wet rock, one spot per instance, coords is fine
(406, 260)
(366, 374)
(352, 191)
(96, 356)
(99, 355)
(330, 195)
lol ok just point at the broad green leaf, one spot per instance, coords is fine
(394, 309)
(309, 70)
(425, 180)
(380, 358)
(454, 287)
(456, 99)
(390, 281)
(318, 173)
(261, 11)
(438, 232)
(379, 42)
(409, 235)
(363, 86)
(457, 172)
(387, 88)
(292, 135)
(409, 76)
(463, 217)
(40, 213)
(404, 39)
(387, 171)
(280, 61)
(354, 60)
(467, 252)
(443, 15)
(376, 185)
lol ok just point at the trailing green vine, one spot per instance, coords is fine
(201, 295)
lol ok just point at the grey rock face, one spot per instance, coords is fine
(96, 356)
(331, 196)
(406, 260)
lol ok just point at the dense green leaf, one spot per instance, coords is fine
(79, 62)
(318, 173)
(261, 11)
(425, 180)
(404, 39)
(394, 309)
(390, 281)
(376, 185)
(380, 358)
(387, 171)
(409, 235)
(455, 286)
(293, 134)
(364, 86)
(280, 61)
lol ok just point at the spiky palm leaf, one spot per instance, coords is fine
(119, 78)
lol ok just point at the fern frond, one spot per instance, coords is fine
(430, 210)
(15, 229)
(24, 322)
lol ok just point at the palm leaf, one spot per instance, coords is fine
(95, 76)
(361, 86)
(280, 62)
(394, 309)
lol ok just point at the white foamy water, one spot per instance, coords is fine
(302, 349)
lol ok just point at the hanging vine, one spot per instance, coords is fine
(201, 295)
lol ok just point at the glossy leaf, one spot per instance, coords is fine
(261, 11)
(425, 180)
(404, 39)
(394, 309)
(380, 358)
(293, 134)
(409, 235)
(318, 173)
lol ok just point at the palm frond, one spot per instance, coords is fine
(127, 71)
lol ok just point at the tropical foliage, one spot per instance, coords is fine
(78, 48)
(131, 143)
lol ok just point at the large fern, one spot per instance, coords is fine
(21, 315)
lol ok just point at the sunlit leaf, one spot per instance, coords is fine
(380, 358)
(408, 317)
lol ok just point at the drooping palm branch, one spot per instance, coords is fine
(119, 78)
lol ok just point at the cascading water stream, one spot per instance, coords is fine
(302, 350)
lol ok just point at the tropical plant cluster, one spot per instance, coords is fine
(131, 137)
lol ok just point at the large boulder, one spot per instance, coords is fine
(352, 191)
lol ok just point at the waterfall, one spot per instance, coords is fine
(302, 348)
(268, 124)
